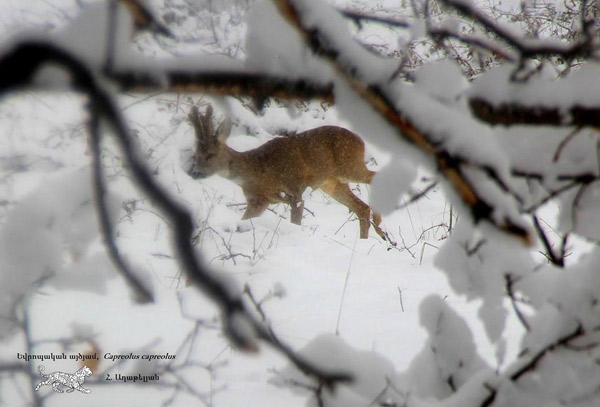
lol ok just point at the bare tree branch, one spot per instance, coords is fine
(582, 47)
(514, 113)
(532, 363)
(235, 83)
(441, 33)
(438, 33)
(142, 293)
(21, 63)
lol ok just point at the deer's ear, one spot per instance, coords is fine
(194, 119)
(193, 116)
(223, 130)
(208, 113)
(207, 124)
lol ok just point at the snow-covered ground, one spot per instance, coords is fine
(385, 313)
(318, 278)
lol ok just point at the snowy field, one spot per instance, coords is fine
(317, 279)
(386, 314)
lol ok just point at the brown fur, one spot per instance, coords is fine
(325, 158)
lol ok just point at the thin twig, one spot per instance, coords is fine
(564, 142)
(339, 316)
(419, 195)
(358, 16)
(509, 290)
(554, 259)
(400, 296)
(257, 304)
(423, 251)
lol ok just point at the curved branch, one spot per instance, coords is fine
(17, 69)
(240, 325)
(142, 293)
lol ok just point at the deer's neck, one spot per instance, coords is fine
(239, 167)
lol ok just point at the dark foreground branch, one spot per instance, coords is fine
(142, 293)
(257, 85)
(17, 70)
(510, 114)
(240, 326)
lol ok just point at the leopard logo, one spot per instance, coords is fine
(72, 381)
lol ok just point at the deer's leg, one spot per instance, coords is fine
(297, 206)
(341, 192)
(360, 173)
(256, 207)
(381, 233)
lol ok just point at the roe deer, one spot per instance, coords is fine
(325, 158)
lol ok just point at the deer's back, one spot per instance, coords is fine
(310, 157)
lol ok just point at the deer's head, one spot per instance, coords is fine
(212, 154)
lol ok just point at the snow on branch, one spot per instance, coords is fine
(372, 85)
(567, 101)
(529, 365)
